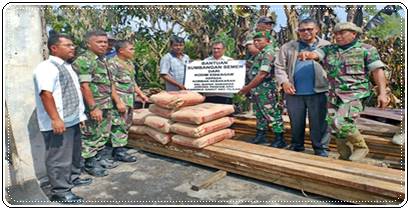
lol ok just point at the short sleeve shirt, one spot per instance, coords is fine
(92, 69)
(348, 70)
(174, 67)
(46, 78)
(123, 74)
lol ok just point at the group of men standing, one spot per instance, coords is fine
(326, 82)
(82, 106)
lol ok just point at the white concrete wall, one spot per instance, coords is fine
(22, 50)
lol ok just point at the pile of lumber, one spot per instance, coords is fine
(343, 180)
(378, 137)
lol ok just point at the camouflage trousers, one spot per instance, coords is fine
(121, 123)
(95, 135)
(342, 118)
(268, 110)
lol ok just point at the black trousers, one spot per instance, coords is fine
(316, 107)
(63, 157)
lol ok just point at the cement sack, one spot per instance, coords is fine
(177, 99)
(137, 129)
(139, 115)
(205, 140)
(163, 138)
(158, 123)
(202, 113)
(160, 111)
(196, 131)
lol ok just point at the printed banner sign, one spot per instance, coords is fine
(215, 76)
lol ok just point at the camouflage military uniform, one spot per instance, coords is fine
(266, 108)
(93, 70)
(123, 77)
(348, 75)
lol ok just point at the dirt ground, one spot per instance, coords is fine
(159, 180)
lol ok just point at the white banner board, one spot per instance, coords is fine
(212, 76)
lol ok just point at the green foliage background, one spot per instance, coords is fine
(151, 28)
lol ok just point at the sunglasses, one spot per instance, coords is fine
(306, 29)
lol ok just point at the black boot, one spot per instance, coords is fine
(279, 141)
(92, 167)
(260, 137)
(120, 154)
(105, 160)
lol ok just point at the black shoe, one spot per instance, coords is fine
(296, 148)
(279, 141)
(260, 137)
(69, 198)
(81, 182)
(92, 167)
(108, 163)
(120, 154)
(322, 153)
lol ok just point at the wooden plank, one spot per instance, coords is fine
(365, 170)
(385, 151)
(393, 114)
(322, 175)
(366, 126)
(208, 181)
(245, 164)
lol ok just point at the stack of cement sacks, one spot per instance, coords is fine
(181, 116)
(202, 125)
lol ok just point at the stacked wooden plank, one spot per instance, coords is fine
(378, 137)
(342, 180)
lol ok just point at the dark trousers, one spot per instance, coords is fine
(63, 156)
(218, 100)
(316, 107)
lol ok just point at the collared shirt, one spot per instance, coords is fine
(93, 69)
(46, 77)
(123, 74)
(174, 67)
(263, 61)
(348, 70)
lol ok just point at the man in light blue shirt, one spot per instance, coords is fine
(173, 65)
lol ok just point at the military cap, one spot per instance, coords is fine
(265, 19)
(261, 34)
(349, 26)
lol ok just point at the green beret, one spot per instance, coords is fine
(261, 34)
(347, 26)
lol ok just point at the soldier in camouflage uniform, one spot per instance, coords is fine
(264, 24)
(96, 89)
(123, 74)
(349, 63)
(262, 89)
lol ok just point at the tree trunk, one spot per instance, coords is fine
(355, 14)
(292, 16)
(264, 10)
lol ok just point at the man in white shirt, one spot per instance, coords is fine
(60, 110)
(218, 51)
